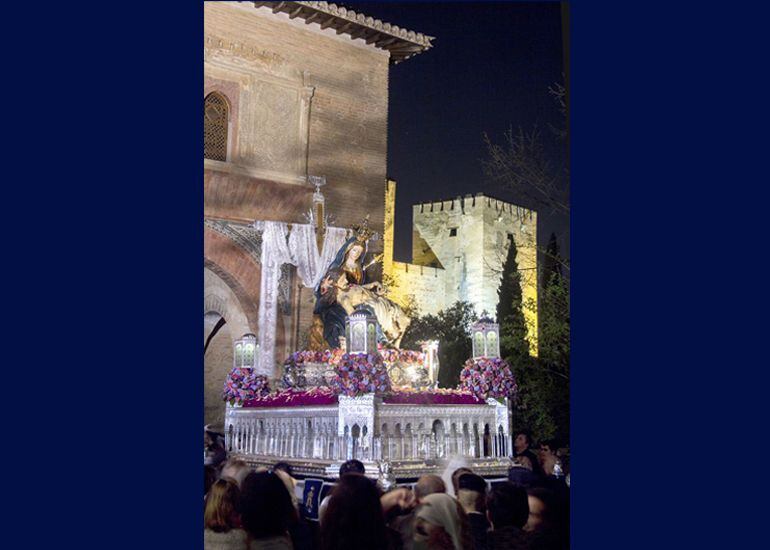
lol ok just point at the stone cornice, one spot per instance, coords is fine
(401, 43)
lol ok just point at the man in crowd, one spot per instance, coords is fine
(349, 467)
(547, 456)
(456, 477)
(507, 512)
(471, 494)
(521, 446)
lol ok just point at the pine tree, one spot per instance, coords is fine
(554, 327)
(542, 404)
(513, 327)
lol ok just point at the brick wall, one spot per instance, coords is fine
(347, 121)
(251, 51)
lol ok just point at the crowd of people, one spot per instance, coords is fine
(257, 509)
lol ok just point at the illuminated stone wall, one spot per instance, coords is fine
(459, 247)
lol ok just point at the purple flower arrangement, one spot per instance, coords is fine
(488, 377)
(243, 384)
(360, 373)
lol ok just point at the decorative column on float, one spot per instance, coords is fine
(361, 333)
(486, 343)
(246, 352)
(430, 349)
(356, 415)
(245, 356)
(486, 338)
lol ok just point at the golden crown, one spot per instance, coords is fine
(362, 231)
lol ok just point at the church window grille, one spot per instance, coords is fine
(215, 119)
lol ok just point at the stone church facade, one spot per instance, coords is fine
(459, 247)
(291, 90)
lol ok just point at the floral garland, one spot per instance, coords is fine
(243, 384)
(408, 356)
(488, 377)
(294, 366)
(360, 373)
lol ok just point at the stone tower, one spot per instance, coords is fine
(459, 247)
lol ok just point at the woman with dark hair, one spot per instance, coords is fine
(266, 512)
(220, 518)
(354, 518)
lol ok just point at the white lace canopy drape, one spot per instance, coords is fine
(296, 247)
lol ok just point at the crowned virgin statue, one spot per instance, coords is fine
(344, 288)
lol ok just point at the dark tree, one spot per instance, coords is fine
(451, 327)
(543, 401)
(510, 315)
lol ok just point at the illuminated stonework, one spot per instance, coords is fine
(459, 247)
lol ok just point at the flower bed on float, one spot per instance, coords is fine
(360, 373)
(242, 385)
(487, 377)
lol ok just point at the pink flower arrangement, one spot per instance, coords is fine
(294, 398)
(488, 377)
(360, 373)
(243, 384)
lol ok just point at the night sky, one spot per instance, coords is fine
(489, 69)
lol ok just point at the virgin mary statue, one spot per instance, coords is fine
(348, 261)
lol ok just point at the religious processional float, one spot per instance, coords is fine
(357, 395)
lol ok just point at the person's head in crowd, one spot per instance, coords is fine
(542, 509)
(522, 441)
(441, 524)
(471, 494)
(235, 469)
(549, 446)
(353, 518)
(221, 512)
(209, 477)
(546, 455)
(507, 506)
(210, 437)
(352, 467)
(427, 485)
(456, 477)
(266, 508)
